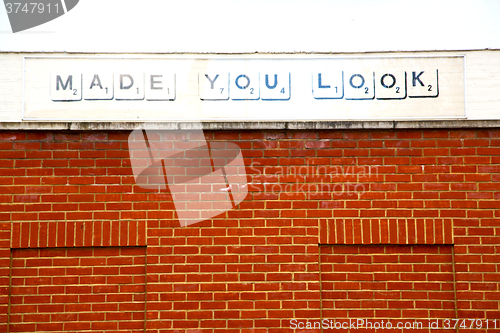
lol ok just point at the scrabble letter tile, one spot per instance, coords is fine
(244, 86)
(359, 85)
(66, 87)
(423, 83)
(328, 85)
(160, 86)
(275, 86)
(213, 86)
(390, 84)
(129, 86)
(98, 86)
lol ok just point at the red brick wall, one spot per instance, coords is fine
(380, 207)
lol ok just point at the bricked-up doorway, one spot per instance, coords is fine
(78, 289)
(401, 271)
(78, 277)
(404, 283)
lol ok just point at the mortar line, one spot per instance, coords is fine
(320, 288)
(10, 291)
(454, 283)
(145, 286)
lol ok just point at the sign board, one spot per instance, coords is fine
(239, 89)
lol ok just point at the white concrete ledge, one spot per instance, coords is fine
(248, 125)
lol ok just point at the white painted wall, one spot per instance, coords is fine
(378, 27)
(263, 26)
(481, 97)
